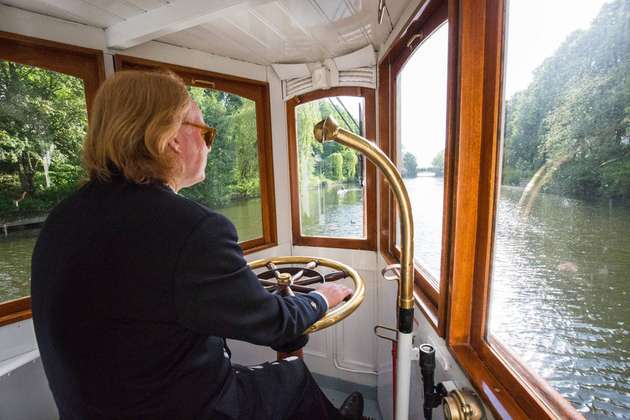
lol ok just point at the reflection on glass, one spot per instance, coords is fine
(422, 122)
(561, 266)
(232, 184)
(42, 124)
(330, 176)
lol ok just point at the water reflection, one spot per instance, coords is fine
(333, 211)
(559, 297)
(15, 264)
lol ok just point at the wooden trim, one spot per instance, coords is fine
(369, 200)
(251, 89)
(489, 364)
(84, 63)
(431, 16)
(498, 398)
(15, 310)
(523, 382)
(416, 20)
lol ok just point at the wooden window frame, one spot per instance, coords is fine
(84, 63)
(251, 89)
(369, 200)
(430, 16)
(507, 386)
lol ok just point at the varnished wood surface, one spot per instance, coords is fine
(15, 310)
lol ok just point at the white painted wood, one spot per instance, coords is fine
(25, 395)
(119, 8)
(45, 27)
(85, 12)
(160, 51)
(38, 6)
(356, 342)
(108, 61)
(147, 4)
(172, 17)
(280, 162)
(16, 339)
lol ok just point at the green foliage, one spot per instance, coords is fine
(577, 110)
(410, 166)
(336, 166)
(438, 162)
(232, 170)
(42, 124)
(331, 162)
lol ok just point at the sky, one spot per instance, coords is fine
(536, 28)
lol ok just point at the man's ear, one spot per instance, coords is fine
(175, 145)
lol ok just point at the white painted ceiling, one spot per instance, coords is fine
(258, 31)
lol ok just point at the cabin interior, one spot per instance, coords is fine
(435, 85)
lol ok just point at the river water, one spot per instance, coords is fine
(560, 296)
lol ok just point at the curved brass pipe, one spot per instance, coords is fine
(327, 130)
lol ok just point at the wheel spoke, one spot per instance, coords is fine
(307, 281)
(337, 275)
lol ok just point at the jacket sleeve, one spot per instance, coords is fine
(216, 293)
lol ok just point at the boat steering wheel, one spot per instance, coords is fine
(302, 272)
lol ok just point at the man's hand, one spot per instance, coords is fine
(334, 293)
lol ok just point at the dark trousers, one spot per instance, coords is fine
(283, 390)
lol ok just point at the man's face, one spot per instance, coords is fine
(191, 149)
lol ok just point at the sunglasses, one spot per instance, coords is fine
(209, 134)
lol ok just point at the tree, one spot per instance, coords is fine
(571, 121)
(438, 162)
(42, 123)
(335, 162)
(410, 165)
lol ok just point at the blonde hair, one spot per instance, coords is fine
(133, 116)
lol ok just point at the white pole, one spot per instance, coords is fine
(403, 375)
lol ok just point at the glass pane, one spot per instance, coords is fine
(232, 184)
(330, 176)
(561, 266)
(422, 136)
(42, 124)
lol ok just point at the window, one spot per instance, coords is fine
(331, 185)
(239, 175)
(416, 131)
(45, 92)
(540, 240)
(422, 139)
(559, 286)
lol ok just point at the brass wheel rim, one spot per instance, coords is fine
(341, 311)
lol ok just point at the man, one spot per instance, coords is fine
(135, 288)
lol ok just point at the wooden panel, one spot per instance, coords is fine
(369, 200)
(251, 89)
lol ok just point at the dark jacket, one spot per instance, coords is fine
(133, 290)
